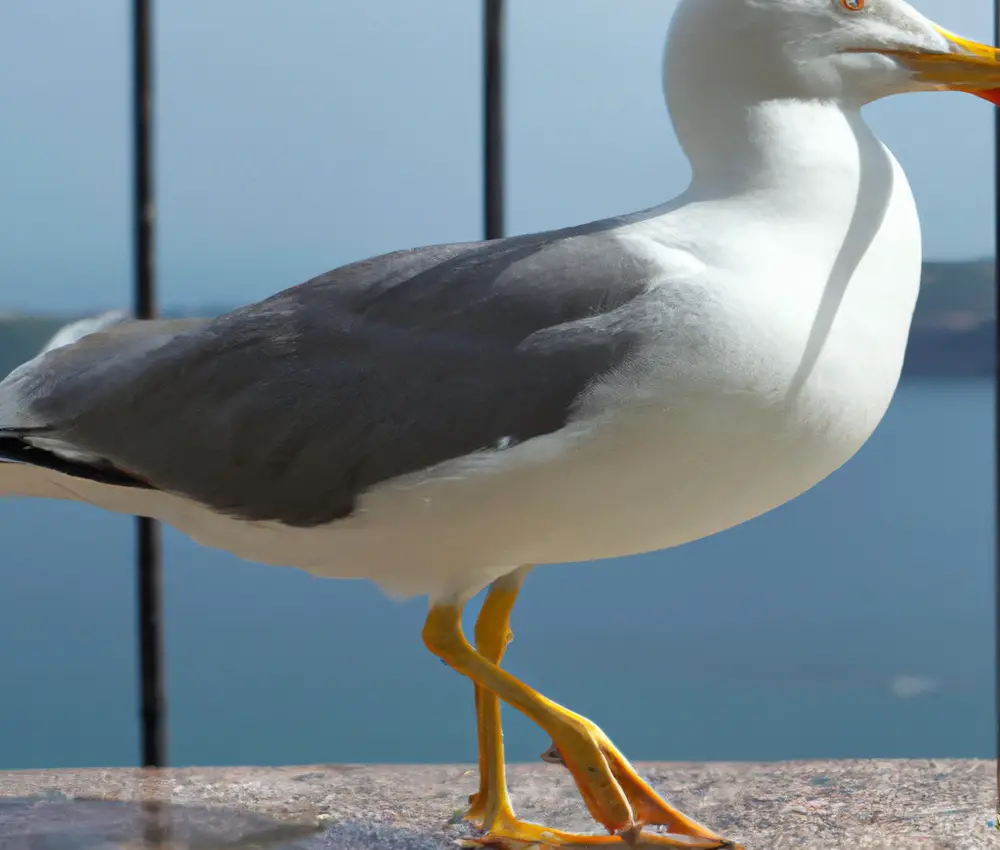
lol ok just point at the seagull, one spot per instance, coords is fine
(441, 420)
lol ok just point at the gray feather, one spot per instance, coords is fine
(290, 408)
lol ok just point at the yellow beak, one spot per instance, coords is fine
(969, 66)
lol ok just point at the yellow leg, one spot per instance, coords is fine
(615, 795)
(491, 805)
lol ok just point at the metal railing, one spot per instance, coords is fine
(149, 550)
(996, 426)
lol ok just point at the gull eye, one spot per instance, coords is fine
(853, 5)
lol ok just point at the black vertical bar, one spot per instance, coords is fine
(996, 423)
(148, 548)
(493, 130)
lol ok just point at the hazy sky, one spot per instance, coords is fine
(297, 135)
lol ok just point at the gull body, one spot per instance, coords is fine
(780, 315)
(778, 291)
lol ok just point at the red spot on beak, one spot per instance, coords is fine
(993, 96)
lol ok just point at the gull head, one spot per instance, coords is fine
(849, 51)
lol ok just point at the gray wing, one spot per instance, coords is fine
(288, 409)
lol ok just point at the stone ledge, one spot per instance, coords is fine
(944, 804)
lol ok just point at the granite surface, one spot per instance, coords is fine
(855, 804)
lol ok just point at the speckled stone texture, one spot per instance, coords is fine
(871, 804)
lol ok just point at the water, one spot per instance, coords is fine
(854, 622)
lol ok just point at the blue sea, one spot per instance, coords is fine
(856, 621)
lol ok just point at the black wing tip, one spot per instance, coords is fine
(14, 450)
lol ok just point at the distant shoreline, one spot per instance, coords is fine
(952, 354)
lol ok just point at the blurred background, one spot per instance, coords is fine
(295, 137)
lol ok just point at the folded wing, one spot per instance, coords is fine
(288, 409)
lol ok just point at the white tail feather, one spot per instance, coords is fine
(14, 414)
(75, 331)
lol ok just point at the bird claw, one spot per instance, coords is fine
(553, 756)
(631, 835)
